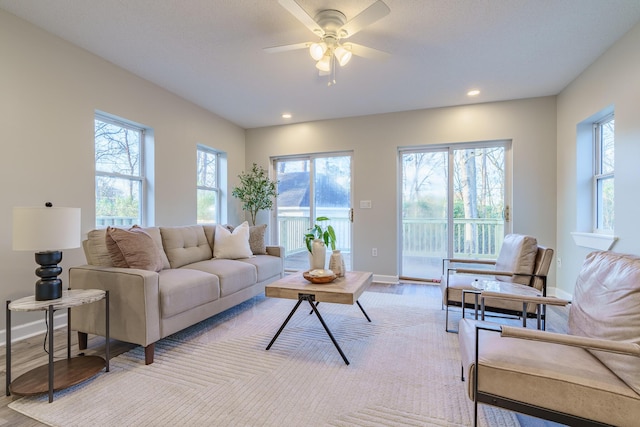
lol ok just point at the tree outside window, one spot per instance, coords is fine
(119, 173)
(208, 192)
(604, 138)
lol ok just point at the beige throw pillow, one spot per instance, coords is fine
(114, 250)
(135, 246)
(256, 239)
(234, 245)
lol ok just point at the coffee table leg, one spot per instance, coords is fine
(326, 328)
(363, 312)
(285, 322)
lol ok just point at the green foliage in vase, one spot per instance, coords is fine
(319, 231)
(256, 191)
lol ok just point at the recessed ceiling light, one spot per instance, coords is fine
(474, 92)
(286, 115)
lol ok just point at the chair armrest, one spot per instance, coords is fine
(524, 298)
(466, 261)
(471, 261)
(619, 347)
(481, 272)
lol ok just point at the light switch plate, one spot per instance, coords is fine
(365, 204)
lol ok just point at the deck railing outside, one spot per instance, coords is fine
(472, 237)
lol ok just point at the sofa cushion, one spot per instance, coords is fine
(234, 275)
(185, 245)
(183, 289)
(606, 305)
(96, 252)
(135, 247)
(518, 254)
(267, 266)
(233, 245)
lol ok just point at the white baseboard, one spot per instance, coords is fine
(379, 278)
(559, 293)
(31, 329)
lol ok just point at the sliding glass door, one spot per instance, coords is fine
(453, 204)
(311, 186)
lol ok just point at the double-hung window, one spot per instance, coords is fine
(120, 179)
(208, 197)
(603, 177)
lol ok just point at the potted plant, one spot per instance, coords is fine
(317, 239)
(256, 191)
(320, 232)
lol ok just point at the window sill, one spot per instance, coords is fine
(603, 242)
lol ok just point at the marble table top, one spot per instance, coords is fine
(70, 298)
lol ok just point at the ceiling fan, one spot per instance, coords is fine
(332, 28)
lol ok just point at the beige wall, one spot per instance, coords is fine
(374, 140)
(611, 80)
(49, 91)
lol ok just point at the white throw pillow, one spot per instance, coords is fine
(232, 245)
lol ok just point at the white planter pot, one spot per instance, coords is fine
(317, 257)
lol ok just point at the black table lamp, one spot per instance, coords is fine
(46, 230)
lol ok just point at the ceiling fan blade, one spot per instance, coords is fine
(287, 47)
(366, 52)
(302, 16)
(376, 11)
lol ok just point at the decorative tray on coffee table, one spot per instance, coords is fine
(319, 277)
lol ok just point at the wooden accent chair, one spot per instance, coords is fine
(520, 261)
(588, 377)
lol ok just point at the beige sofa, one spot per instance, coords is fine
(590, 376)
(190, 286)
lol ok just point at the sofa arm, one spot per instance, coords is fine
(276, 251)
(627, 348)
(133, 299)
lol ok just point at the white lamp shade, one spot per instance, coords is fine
(324, 64)
(317, 50)
(45, 228)
(343, 55)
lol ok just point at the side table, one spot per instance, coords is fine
(63, 373)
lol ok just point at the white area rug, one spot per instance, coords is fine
(404, 371)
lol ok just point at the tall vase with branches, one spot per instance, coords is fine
(256, 191)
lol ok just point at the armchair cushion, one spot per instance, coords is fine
(609, 308)
(518, 255)
(525, 371)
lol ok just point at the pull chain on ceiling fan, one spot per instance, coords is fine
(332, 27)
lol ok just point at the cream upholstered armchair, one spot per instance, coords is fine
(521, 261)
(588, 377)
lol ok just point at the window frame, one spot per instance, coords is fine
(216, 189)
(600, 176)
(140, 179)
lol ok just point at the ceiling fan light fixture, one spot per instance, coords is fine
(343, 55)
(317, 50)
(324, 64)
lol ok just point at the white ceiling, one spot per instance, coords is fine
(210, 51)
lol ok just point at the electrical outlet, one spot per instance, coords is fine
(374, 251)
(559, 262)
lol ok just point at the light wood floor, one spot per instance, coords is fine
(29, 353)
